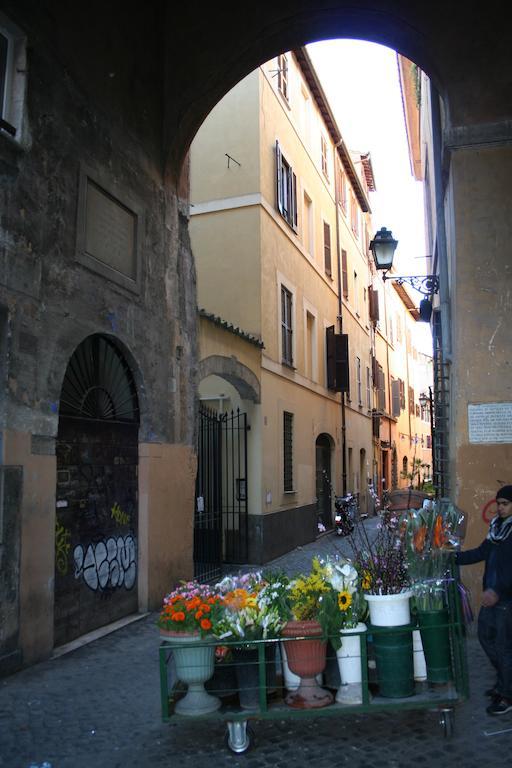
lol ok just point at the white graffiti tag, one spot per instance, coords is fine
(107, 564)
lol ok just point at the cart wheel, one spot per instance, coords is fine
(239, 737)
(446, 721)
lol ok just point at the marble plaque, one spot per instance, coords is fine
(110, 231)
(490, 422)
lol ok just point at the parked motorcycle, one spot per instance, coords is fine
(344, 516)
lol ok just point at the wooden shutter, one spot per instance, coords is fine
(402, 394)
(279, 180)
(293, 200)
(338, 373)
(382, 389)
(373, 295)
(344, 273)
(331, 357)
(395, 395)
(327, 249)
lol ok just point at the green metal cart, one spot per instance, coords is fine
(270, 699)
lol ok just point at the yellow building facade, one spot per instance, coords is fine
(280, 228)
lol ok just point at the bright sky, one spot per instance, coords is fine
(359, 78)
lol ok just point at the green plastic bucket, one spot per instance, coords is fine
(435, 638)
(394, 660)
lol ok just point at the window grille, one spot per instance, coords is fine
(288, 451)
(286, 326)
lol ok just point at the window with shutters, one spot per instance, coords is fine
(286, 182)
(342, 190)
(411, 400)
(359, 383)
(356, 294)
(13, 71)
(324, 153)
(368, 389)
(327, 249)
(344, 273)
(287, 451)
(282, 75)
(286, 326)
(395, 398)
(354, 214)
(381, 388)
(402, 395)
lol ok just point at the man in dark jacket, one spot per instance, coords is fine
(495, 617)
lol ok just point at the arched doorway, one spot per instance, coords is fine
(324, 490)
(97, 506)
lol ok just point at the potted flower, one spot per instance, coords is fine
(254, 612)
(190, 615)
(315, 615)
(346, 580)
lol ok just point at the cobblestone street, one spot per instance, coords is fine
(99, 706)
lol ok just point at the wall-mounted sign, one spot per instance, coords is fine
(490, 422)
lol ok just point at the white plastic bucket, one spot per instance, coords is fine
(420, 665)
(349, 655)
(389, 610)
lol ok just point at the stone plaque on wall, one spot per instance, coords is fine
(108, 231)
(490, 422)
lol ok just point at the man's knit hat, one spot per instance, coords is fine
(505, 493)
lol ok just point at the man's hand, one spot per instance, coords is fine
(489, 598)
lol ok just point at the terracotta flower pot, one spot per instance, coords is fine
(306, 658)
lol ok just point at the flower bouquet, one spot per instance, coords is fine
(346, 581)
(254, 612)
(193, 609)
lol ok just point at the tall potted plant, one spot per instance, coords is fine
(385, 582)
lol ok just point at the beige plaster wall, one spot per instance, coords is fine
(481, 328)
(37, 545)
(166, 519)
(226, 246)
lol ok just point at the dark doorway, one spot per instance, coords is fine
(221, 516)
(97, 505)
(323, 482)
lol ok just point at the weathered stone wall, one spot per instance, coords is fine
(95, 90)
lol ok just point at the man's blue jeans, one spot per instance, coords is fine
(495, 635)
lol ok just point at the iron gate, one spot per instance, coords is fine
(220, 519)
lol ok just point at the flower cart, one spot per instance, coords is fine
(280, 681)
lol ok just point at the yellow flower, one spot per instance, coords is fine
(344, 600)
(367, 580)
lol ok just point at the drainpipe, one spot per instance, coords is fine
(340, 328)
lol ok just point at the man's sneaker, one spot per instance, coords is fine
(499, 707)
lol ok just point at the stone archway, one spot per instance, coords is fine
(96, 496)
(238, 375)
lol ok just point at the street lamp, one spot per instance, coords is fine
(383, 247)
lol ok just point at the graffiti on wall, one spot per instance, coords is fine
(62, 547)
(117, 514)
(109, 564)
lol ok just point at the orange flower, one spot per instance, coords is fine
(419, 538)
(205, 608)
(178, 616)
(206, 624)
(199, 615)
(438, 532)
